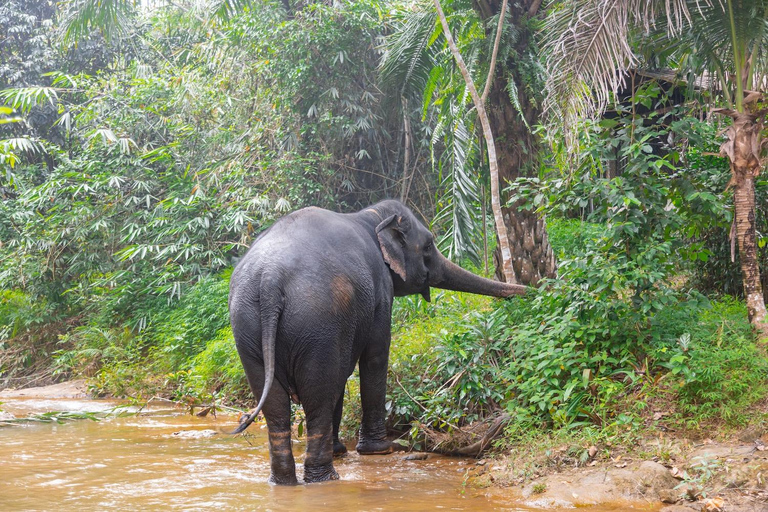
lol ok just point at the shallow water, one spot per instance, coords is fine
(138, 462)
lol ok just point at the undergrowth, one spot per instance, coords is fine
(607, 345)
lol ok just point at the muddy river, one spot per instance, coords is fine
(165, 459)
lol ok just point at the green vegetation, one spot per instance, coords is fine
(138, 165)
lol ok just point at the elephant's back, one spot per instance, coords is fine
(310, 237)
(314, 252)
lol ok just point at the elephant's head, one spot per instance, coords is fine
(409, 249)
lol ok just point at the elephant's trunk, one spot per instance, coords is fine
(452, 277)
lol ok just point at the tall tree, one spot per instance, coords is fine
(511, 99)
(504, 252)
(720, 44)
(513, 108)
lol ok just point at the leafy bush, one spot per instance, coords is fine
(179, 333)
(570, 237)
(217, 370)
(723, 371)
(184, 346)
(93, 347)
(418, 328)
(19, 312)
(582, 349)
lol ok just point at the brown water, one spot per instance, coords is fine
(137, 462)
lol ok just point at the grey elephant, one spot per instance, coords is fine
(311, 299)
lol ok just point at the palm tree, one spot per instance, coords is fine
(716, 43)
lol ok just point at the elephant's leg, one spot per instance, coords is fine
(278, 415)
(317, 376)
(338, 447)
(277, 411)
(318, 464)
(373, 389)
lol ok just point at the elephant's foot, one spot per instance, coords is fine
(324, 473)
(338, 448)
(276, 479)
(374, 446)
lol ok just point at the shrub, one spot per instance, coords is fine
(180, 332)
(217, 370)
(569, 237)
(582, 349)
(20, 311)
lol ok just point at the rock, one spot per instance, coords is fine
(592, 451)
(737, 478)
(681, 508)
(716, 504)
(70, 389)
(750, 434)
(549, 503)
(719, 452)
(669, 495)
(748, 507)
(655, 477)
(6, 416)
(416, 456)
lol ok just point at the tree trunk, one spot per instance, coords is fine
(517, 150)
(743, 149)
(504, 264)
(744, 217)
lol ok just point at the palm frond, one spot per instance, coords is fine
(226, 9)
(724, 40)
(460, 201)
(588, 49)
(408, 52)
(22, 99)
(10, 149)
(110, 17)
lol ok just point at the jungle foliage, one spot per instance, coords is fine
(138, 165)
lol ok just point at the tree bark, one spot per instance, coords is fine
(743, 148)
(517, 151)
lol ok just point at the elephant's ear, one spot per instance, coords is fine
(391, 241)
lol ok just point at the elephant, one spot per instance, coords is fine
(311, 299)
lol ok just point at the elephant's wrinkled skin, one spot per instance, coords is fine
(312, 298)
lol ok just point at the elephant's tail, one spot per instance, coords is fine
(270, 309)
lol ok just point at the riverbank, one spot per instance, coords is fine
(675, 474)
(68, 389)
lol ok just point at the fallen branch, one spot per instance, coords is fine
(476, 448)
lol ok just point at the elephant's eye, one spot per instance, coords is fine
(428, 246)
